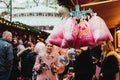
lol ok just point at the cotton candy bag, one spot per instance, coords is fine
(56, 35)
(77, 34)
(99, 29)
(85, 36)
(70, 32)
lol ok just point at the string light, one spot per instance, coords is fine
(118, 28)
(24, 27)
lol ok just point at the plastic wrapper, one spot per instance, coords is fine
(99, 29)
(85, 36)
(70, 32)
(56, 35)
(73, 32)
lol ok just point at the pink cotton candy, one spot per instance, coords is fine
(56, 35)
(77, 34)
(99, 29)
(70, 32)
(85, 37)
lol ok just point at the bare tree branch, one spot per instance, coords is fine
(36, 2)
(7, 4)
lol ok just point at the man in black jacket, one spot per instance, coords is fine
(6, 55)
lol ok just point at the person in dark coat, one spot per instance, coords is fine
(15, 73)
(110, 62)
(96, 56)
(6, 55)
(83, 67)
(28, 58)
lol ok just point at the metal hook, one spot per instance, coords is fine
(79, 13)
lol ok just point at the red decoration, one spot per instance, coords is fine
(80, 1)
(84, 1)
(72, 3)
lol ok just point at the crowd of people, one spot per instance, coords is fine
(41, 61)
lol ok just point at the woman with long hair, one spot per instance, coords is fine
(110, 62)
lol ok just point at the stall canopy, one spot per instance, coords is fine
(23, 27)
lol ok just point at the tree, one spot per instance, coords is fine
(7, 6)
(36, 2)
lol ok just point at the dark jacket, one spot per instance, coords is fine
(6, 56)
(84, 67)
(27, 63)
(15, 73)
(109, 67)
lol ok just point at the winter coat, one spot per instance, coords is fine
(46, 67)
(27, 62)
(84, 67)
(6, 56)
(110, 66)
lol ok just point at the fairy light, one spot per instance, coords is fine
(24, 27)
